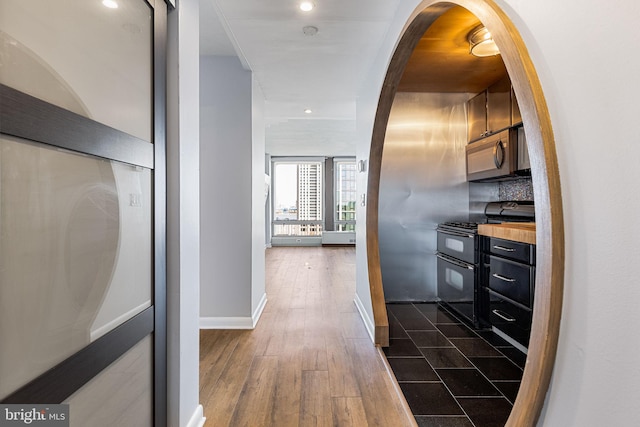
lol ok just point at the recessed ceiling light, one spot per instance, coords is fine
(306, 6)
(308, 111)
(111, 4)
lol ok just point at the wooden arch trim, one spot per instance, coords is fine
(546, 183)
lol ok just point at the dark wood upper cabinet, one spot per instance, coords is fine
(491, 110)
(499, 105)
(516, 117)
(477, 116)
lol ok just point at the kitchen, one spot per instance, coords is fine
(454, 147)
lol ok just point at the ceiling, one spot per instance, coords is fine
(324, 72)
(441, 61)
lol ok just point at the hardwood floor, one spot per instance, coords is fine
(309, 361)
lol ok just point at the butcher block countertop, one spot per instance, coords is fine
(524, 232)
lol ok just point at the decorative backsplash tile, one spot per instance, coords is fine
(517, 189)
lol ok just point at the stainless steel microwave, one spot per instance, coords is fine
(501, 155)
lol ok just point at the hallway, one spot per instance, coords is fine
(309, 361)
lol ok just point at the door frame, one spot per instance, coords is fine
(546, 182)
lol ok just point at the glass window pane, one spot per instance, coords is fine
(75, 254)
(285, 192)
(346, 197)
(297, 229)
(298, 197)
(82, 56)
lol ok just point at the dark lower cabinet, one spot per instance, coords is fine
(507, 278)
(512, 319)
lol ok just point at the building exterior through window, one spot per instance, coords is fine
(345, 195)
(298, 198)
(299, 204)
(310, 197)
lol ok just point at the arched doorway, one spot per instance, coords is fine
(546, 183)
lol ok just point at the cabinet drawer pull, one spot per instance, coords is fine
(502, 248)
(504, 279)
(504, 316)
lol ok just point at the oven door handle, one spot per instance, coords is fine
(503, 248)
(455, 233)
(455, 262)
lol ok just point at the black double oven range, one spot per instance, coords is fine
(459, 266)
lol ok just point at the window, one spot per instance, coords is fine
(345, 195)
(297, 198)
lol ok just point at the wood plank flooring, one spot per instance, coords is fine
(309, 361)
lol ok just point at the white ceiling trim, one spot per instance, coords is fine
(232, 38)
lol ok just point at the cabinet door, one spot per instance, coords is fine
(499, 105)
(516, 117)
(477, 117)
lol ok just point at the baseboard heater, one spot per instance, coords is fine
(338, 238)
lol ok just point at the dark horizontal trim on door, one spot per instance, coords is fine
(61, 381)
(27, 117)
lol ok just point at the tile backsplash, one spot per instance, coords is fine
(517, 189)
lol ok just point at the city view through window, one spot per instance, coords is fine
(298, 199)
(298, 189)
(345, 197)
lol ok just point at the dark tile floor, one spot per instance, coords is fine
(451, 375)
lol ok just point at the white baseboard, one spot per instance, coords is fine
(198, 418)
(368, 323)
(226, 323)
(258, 311)
(235, 322)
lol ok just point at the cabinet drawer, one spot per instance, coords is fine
(511, 319)
(522, 252)
(512, 279)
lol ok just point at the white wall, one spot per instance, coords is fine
(590, 80)
(258, 202)
(183, 217)
(232, 199)
(365, 114)
(585, 56)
